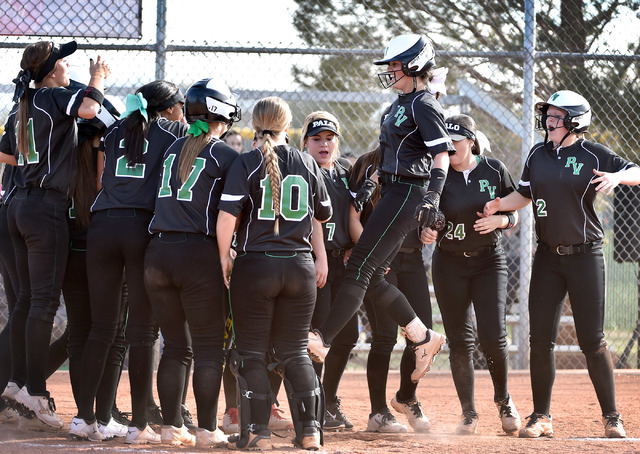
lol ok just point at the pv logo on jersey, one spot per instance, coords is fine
(484, 185)
(400, 116)
(571, 162)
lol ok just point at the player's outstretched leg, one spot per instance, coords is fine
(427, 344)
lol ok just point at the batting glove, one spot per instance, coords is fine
(364, 194)
(427, 213)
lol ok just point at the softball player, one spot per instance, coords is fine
(182, 268)
(276, 192)
(320, 137)
(415, 156)
(11, 286)
(40, 137)
(562, 177)
(469, 266)
(75, 287)
(129, 164)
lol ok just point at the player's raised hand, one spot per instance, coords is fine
(99, 67)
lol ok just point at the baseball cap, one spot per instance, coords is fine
(458, 132)
(321, 124)
(57, 52)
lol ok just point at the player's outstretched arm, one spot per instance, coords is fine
(321, 262)
(224, 233)
(512, 202)
(608, 181)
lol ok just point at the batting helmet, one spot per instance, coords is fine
(210, 101)
(577, 108)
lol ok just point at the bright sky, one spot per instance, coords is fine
(241, 21)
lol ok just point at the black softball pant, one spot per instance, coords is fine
(582, 276)
(390, 222)
(184, 282)
(40, 236)
(75, 289)
(338, 356)
(458, 282)
(272, 300)
(11, 286)
(116, 243)
(409, 275)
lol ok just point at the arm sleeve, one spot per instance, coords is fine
(322, 201)
(236, 188)
(430, 121)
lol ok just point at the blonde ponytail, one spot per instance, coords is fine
(190, 151)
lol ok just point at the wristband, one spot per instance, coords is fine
(436, 180)
(511, 220)
(94, 93)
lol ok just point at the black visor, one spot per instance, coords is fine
(57, 52)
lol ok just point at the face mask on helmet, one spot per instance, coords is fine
(577, 108)
(209, 101)
(414, 52)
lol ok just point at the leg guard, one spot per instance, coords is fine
(248, 433)
(305, 424)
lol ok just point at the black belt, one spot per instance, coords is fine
(409, 250)
(178, 237)
(41, 192)
(569, 250)
(482, 252)
(388, 178)
(337, 252)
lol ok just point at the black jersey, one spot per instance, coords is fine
(52, 133)
(559, 184)
(125, 186)
(412, 132)
(9, 176)
(336, 229)
(192, 206)
(247, 193)
(464, 196)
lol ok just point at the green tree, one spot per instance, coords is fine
(487, 28)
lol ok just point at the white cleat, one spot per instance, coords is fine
(81, 430)
(425, 352)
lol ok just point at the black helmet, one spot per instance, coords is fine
(210, 101)
(107, 115)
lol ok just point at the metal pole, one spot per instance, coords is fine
(161, 36)
(526, 217)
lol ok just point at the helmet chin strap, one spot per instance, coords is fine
(546, 138)
(415, 85)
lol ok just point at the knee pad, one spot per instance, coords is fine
(300, 399)
(243, 401)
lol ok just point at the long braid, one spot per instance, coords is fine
(273, 169)
(271, 117)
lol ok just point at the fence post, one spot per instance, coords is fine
(161, 39)
(526, 217)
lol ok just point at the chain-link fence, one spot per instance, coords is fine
(502, 57)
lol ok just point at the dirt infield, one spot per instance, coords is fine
(574, 408)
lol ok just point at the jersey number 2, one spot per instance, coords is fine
(123, 169)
